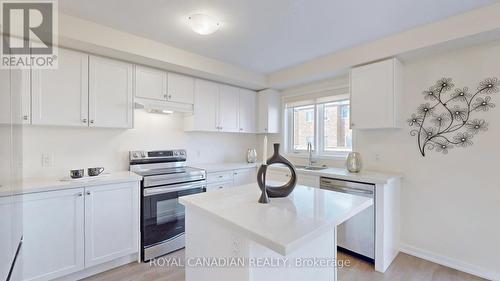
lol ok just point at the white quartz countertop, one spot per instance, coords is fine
(283, 225)
(42, 185)
(343, 174)
(219, 167)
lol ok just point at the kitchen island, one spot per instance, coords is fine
(229, 236)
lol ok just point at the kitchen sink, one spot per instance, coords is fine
(310, 168)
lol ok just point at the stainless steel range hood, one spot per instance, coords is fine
(163, 107)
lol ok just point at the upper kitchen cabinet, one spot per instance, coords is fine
(60, 96)
(150, 83)
(156, 89)
(204, 116)
(269, 103)
(110, 93)
(247, 111)
(228, 109)
(375, 91)
(180, 88)
(221, 108)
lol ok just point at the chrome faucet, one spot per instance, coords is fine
(309, 151)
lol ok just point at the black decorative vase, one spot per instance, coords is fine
(277, 191)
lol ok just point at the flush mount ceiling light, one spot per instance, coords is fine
(203, 24)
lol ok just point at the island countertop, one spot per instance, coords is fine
(283, 225)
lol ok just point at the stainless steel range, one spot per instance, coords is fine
(165, 178)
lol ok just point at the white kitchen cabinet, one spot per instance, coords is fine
(53, 234)
(278, 175)
(150, 83)
(247, 111)
(111, 222)
(269, 108)
(180, 88)
(219, 185)
(60, 96)
(110, 93)
(244, 176)
(204, 117)
(284, 175)
(308, 180)
(221, 108)
(375, 90)
(228, 109)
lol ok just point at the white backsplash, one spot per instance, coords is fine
(71, 148)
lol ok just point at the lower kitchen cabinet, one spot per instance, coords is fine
(230, 178)
(70, 230)
(244, 176)
(283, 176)
(219, 185)
(53, 234)
(111, 222)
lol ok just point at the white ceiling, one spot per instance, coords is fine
(267, 35)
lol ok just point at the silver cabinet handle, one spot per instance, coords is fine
(84, 120)
(91, 121)
(88, 192)
(169, 96)
(80, 194)
(25, 117)
(165, 97)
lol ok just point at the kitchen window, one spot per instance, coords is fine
(322, 121)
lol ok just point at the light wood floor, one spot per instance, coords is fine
(404, 268)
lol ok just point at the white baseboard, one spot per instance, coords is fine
(99, 268)
(449, 262)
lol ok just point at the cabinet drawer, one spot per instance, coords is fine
(220, 177)
(219, 185)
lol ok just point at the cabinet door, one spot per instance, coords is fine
(53, 227)
(219, 185)
(278, 177)
(247, 111)
(372, 95)
(308, 180)
(180, 88)
(245, 176)
(262, 116)
(228, 108)
(205, 105)
(110, 93)
(60, 96)
(111, 222)
(150, 83)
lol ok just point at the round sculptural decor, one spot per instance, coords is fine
(277, 191)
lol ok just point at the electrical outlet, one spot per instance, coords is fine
(47, 160)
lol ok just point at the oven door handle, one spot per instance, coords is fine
(163, 190)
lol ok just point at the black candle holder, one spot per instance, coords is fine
(277, 191)
(264, 199)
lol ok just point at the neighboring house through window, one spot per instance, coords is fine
(322, 121)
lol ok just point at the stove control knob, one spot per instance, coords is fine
(135, 155)
(143, 154)
(176, 153)
(183, 153)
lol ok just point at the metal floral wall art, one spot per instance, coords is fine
(447, 120)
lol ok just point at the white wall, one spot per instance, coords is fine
(83, 147)
(450, 203)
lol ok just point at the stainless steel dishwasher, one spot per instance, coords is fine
(357, 235)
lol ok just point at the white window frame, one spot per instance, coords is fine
(318, 151)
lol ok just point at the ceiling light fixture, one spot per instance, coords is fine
(203, 24)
